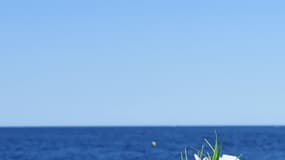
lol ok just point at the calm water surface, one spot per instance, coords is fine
(134, 143)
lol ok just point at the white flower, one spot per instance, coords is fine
(197, 157)
(224, 157)
(228, 157)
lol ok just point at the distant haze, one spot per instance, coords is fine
(142, 63)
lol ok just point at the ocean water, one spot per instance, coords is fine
(134, 143)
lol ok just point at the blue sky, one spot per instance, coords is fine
(142, 63)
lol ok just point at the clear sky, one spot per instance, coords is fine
(152, 62)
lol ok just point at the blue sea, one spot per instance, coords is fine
(134, 143)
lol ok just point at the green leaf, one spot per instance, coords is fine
(186, 155)
(181, 156)
(209, 144)
(201, 152)
(217, 149)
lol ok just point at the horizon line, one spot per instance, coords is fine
(130, 126)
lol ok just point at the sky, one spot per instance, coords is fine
(114, 63)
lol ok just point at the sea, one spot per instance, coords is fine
(135, 143)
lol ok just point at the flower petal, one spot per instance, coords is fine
(228, 157)
(197, 157)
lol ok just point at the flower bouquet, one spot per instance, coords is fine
(216, 153)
